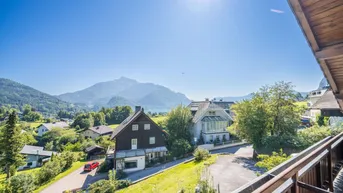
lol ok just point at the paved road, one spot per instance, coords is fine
(74, 180)
(233, 171)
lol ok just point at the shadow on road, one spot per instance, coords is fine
(91, 179)
(248, 163)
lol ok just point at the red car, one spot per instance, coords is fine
(90, 166)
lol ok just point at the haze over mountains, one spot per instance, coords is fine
(125, 91)
(118, 92)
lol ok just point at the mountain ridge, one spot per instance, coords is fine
(128, 91)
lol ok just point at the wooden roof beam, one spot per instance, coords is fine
(330, 52)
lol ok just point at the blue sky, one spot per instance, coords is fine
(202, 48)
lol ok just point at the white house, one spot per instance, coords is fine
(45, 127)
(210, 122)
(326, 105)
(35, 156)
(97, 131)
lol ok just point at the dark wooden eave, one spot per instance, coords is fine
(322, 24)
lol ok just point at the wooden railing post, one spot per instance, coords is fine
(295, 187)
(319, 175)
(330, 169)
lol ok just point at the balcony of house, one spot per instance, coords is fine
(214, 129)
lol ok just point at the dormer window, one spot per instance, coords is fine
(135, 127)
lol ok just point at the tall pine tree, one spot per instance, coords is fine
(11, 144)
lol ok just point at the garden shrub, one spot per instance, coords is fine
(313, 134)
(102, 186)
(49, 170)
(21, 183)
(201, 154)
(122, 184)
(268, 162)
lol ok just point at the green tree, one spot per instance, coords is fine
(178, 124)
(271, 111)
(11, 144)
(99, 119)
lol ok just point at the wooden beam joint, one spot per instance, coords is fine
(330, 52)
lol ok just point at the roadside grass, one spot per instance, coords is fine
(172, 180)
(113, 126)
(75, 166)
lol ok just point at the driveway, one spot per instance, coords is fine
(233, 171)
(74, 180)
(149, 171)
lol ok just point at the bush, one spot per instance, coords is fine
(313, 134)
(21, 183)
(48, 171)
(201, 154)
(268, 162)
(104, 167)
(122, 184)
(102, 186)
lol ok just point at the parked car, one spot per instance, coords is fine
(90, 166)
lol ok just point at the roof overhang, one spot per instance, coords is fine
(322, 24)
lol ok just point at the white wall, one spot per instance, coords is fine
(140, 163)
(40, 130)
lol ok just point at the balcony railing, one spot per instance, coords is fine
(312, 170)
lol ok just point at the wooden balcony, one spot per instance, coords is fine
(312, 170)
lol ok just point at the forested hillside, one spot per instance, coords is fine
(17, 95)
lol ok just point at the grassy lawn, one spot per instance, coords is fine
(35, 124)
(113, 126)
(75, 166)
(183, 176)
(159, 119)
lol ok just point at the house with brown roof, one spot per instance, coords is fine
(139, 141)
(97, 131)
(326, 105)
(210, 122)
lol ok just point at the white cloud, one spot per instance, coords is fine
(276, 11)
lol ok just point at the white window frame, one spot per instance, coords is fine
(146, 126)
(134, 143)
(152, 140)
(134, 127)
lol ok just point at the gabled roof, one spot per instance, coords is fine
(327, 101)
(35, 150)
(88, 149)
(60, 124)
(129, 120)
(202, 108)
(102, 129)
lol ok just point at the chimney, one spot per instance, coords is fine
(207, 99)
(137, 109)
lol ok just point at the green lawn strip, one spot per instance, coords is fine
(172, 180)
(113, 126)
(75, 166)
